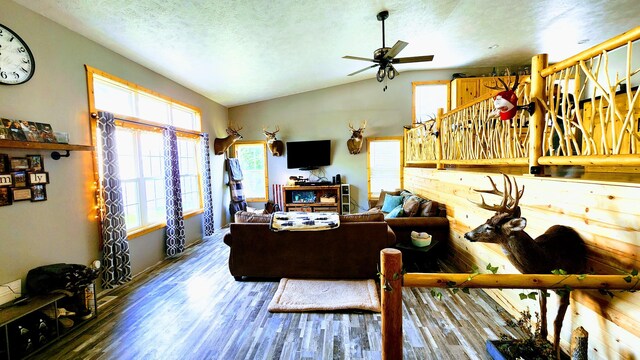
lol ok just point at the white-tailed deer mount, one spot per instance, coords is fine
(275, 146)
(355, 142)
(220, 145)
(560, 247)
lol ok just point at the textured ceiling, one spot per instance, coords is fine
(238, 52)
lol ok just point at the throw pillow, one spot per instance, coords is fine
(396, 212)
(428, 208)
(390, 203)
(362, 217)
(411, 205)
(382, 196)
(244, 217)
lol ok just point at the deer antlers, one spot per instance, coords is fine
(506, 87)
(271, 134)
(363, 125)
(509, 203)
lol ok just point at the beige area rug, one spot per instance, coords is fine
(295, 295)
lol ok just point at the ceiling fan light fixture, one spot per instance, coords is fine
(391, 72)
(381, 74)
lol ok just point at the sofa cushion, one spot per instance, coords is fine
(396, 212)
(391, 202)
(383, 194)
(411, 205)
(362, 217)
(244, 217)
(428, 208)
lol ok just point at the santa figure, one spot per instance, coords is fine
(506, 105)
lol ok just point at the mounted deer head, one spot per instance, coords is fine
(560, 247)
(506, 102)
(355, 142)
(220, 145)
(275, 146)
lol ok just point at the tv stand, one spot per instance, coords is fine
(315, 198)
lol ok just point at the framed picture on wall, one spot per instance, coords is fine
(6, 180)
(19, 163)
(19, 178)
(5, 165)
(35, 162)
(38, 193)
(20, 194)
(35, 178)
(5, 196)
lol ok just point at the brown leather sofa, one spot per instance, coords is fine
(352, 251)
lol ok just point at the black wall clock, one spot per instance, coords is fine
(16, 60)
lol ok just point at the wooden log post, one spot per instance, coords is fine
(579, 344)
(439, 164)
(536, 120)
(391, 301)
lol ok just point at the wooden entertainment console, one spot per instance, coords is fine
(312, 198)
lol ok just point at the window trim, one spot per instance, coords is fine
(400, 139)
(415, 84)
(266, 166)
(138, 124)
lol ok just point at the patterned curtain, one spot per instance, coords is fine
(115, 251)
(175, 236)
(206, 186)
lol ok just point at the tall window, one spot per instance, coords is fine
(384, 164)
(428, 96)
(140, 147)
(253, 161)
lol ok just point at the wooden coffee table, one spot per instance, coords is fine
(420, 259)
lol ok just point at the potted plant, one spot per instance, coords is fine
(531, 347)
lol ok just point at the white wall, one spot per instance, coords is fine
(64, 228)
(326, 113)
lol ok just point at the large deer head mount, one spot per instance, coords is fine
(560, 247)
(355, 142)
(275, 146)
(220, 145)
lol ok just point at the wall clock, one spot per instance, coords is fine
(16, 60)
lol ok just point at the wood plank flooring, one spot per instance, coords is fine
(192, 308)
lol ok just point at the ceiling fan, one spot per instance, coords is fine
(385, 57)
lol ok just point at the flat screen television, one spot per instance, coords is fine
(308, 155)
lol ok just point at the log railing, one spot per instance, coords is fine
(587, 113)
(392, 281)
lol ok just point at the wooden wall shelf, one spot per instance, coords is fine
(13, 144)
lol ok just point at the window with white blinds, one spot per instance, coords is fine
(384, 156)
(428, 96)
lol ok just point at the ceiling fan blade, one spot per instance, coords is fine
(359, 58)
(361, 70)
(412, 59)
(395, 49)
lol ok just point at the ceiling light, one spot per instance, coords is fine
(494, 46)
(583, 41)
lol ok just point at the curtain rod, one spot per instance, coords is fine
(137, 122)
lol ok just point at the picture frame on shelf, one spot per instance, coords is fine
(40, 177)
(31, 131)
(19, 178)
(19, 163)
(5, 134)
(5, 196)
(46, 132)
(35, 162)
(38, 193)
(5, 164)
(20, 194)
(6, 180)
(15, 129)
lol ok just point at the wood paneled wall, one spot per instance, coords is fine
(604, 213)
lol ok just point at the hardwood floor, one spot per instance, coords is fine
(192, 308)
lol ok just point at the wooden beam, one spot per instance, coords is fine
(520, 281)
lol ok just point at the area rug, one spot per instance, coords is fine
(295, 295)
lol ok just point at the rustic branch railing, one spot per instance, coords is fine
(392, 281)
(587, 113)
